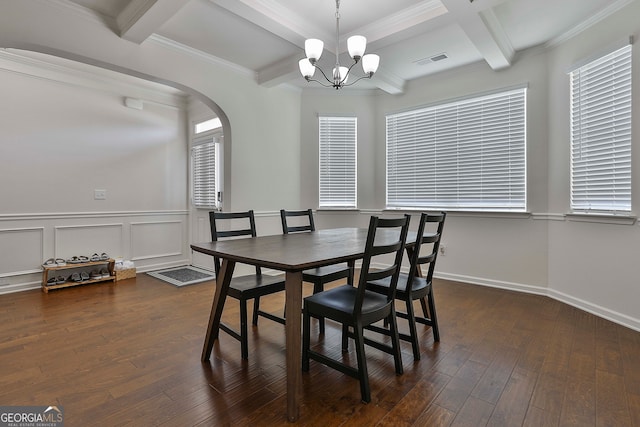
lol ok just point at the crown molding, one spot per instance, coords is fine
(588, 23)
(400, 21)
(105, 80)
(272, 16)
(84, 12)
(179, 47)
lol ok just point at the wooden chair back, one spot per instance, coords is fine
(376, 248)
(307, 226)
(244, 228)
(418, 259)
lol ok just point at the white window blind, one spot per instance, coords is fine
(205, 170)
(464, 155)
(601, 133)
(338, 177)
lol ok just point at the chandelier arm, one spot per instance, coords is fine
(341, 83)
(360, 78)
(319, 82)
(324, 75)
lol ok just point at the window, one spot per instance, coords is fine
(338, 178)
(205, 165)
(463, 155)
(211, 124)
(601, 134)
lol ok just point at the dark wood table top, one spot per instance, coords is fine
(298, 251)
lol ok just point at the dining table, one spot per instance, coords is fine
(292, 254)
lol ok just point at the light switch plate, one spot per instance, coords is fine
(100, 194)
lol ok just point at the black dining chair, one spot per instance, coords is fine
(303, 222)
(356, 307)
(416, 285)
(249, 287)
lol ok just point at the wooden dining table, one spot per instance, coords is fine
(291, 253)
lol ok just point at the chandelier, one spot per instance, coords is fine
(356, 46)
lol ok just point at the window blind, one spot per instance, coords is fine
(601, 133)
(204, 157)
(464, 155)
(338, 177)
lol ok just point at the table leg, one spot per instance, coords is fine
(293, 291)
(222, 286)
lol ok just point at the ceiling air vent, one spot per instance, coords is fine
(429, 60)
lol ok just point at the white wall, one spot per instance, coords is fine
(592, 264)
(586, 264)
(262, 129)
(66, 133)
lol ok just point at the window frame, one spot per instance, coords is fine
(435, 130)
(211, 141)
(593, 83)
(337, 168)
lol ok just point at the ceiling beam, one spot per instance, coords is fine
(400, 21)
(276, 19)
(389, 83)
(485, 32)
(282, 71)
(141, 18)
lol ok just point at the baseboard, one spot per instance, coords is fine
(511, 286)
(605, 313)
(19, 287)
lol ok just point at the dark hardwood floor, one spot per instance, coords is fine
(129, 354)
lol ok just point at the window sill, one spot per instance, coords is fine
(467, 213)
(603, 218)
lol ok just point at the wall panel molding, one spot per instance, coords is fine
(76, 215)
(85, 239)
(22, 249)
(156, 239)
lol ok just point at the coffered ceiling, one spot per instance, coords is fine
(265, 38)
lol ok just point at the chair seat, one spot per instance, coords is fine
(252, 285)
(338, 303)
(328, 273)
(419, 286)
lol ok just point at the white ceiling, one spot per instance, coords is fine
(265, 38)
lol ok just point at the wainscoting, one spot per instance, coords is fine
(153, 240)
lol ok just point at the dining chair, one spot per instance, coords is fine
(303, 222)
(248, 287)
(416, 285)
(356, 307)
